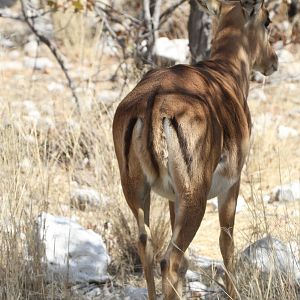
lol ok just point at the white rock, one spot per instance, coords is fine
(133, 293)
(241, 204)
(82, 196)
(176, 50)
(39, 63)
(271, 255)
(258, 77)
(31, 48)
(72, 252)
(206, 262)
(7, 3)
(6, 43)
(25, 165)
(257, 94)
(14, 54)
(284, 132)
(196, 286)
(192, 276)
(45, 124)
(266, 198)
(10, 65)
(287, 192)
(55, 87)
(285, 56)
(108, 97)
(262, 122)
(29, 105)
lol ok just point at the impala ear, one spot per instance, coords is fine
(251, 7)
(210, 6)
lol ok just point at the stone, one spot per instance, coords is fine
(39, 63)
(10, 66)
(31, 48)
(270, 255)
(25, 165)
(241, 204)
(284, 132)
(212, 204)
(84, 196)
(108, 97)
(55, 87)
(176, 50)
(257, 94)
(72, 253)
(6, 43)
(133, 293)
(192, 276)
(7, 3)
(197, 286)
(285, 56)
(287, 192)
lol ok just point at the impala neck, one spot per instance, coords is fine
(230, 46)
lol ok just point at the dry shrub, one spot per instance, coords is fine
(256, 285)
(124, 232)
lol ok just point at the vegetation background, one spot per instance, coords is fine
(60, 85)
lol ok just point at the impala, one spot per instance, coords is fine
(184, 132)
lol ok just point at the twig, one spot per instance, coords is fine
(164, 16)
(14, 16)
(58, 56)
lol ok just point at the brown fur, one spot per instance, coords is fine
(184, 132)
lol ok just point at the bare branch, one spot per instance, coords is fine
(58, 56)
(164, 16)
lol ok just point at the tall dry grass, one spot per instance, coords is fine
(38, 166)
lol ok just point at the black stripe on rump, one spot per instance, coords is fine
(149, 118)
(182, 143)
(128, 138)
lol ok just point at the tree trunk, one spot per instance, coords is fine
(199, 28)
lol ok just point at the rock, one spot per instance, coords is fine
(270, 255)
(6, 43)
(285, 56)
(31, 48)
(212, 204)
(133, 293)
(241, 204)
(176, 50)
(284, 132)
(45, 124)
(39, 63)
(73, 254)
(197, 286)
(286, 192)
(266, 198)
(14, 54)
(25, 165)
(263, 121)
(258, 77)
(207, 264)
(10, 66)
(257, 94)
(7, 3)
(192, 276)
(108, 97)
(55, 87)
(82, 196)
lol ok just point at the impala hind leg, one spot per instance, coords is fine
(227, 207)
(138, 200)
(174, 264)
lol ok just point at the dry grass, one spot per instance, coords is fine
(38, 164)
